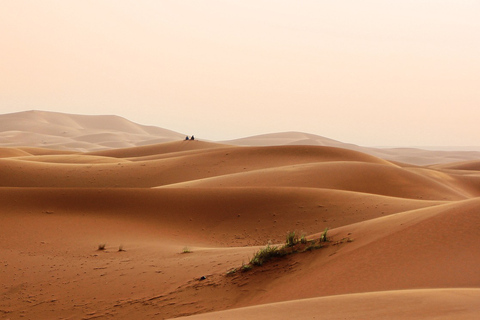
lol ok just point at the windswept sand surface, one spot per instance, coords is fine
(413, 251)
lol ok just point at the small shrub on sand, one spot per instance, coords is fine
(292, 245)
(120, 248)
(303, 239)
(246, 267)
(313, 246)
(101, 246)
(291, 239)
(265, 254)
(323, 236)
(186, 250)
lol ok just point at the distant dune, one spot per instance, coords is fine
(84, 133)
(406, 155)
(288, 138)
(167, 230)
(77, 132)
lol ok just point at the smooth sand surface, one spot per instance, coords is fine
(405, 304)
(403, 240)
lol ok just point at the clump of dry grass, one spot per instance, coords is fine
(265, 254)
(292, 245)
(291, 239)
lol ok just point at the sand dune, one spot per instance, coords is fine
(168, 170)
(34, 151)
(158, 149)
(352, 176)
(473, 165)
(93, 133)
(403, 240)
(76, 132)
(288, 138)
(405, 155)
(421, 157)
(154, 225)
(401, 251)
(408, 304)
(261, 211)
(70, 159)
(12, 152)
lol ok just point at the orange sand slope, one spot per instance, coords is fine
(407, 304)
(403, 240)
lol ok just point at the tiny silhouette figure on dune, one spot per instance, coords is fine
(186, 138)
(192, 138)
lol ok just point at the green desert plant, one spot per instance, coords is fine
(186, 250)
(303, 239)
(313, 246)
(265, 254)
(291, 239)
(246, 267)
(291, 246)
(323, 236)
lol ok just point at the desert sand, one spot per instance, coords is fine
(178, 219)
(86, 133)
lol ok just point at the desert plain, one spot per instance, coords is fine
(101, 218)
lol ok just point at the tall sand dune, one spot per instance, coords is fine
(76, 132)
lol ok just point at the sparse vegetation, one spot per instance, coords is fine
(323, 236)
(292, 245)
(313, 246)
(120, 248)
(265, 254)
(101, 246)
(232, 271)
(303, 239)
(291, 239)
(246, 267)
(186, 250)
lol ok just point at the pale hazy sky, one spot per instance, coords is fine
(401, 73)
